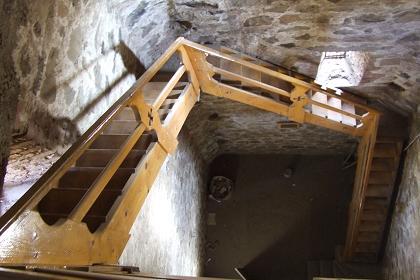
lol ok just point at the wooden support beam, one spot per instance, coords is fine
(296, 110)
(179, 113)
(187, 62)
(150, 118)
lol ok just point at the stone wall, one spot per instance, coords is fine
(295, 33)
(70, 59)
(402, 256)
(219, 125)
(167, 237)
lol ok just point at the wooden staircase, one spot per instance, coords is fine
(81, 211)
(376, 206)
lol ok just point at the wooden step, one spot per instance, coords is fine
(367, 247)
(115, 141)
(385, 150)
(371, 226)
(383, 164)
(83, 177)
(376, 203)
(379, 191)
(373, 215)
(60, 200)
(365, 257)
(151, 90)
(92, 221)
(365, 236)
(101, 157)
(388, 140)
(127, 114)
(380, 178)
(121, 127)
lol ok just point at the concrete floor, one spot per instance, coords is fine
(271, 226)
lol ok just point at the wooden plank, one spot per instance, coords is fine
(176, 118)
(169, 87)
(193, 76)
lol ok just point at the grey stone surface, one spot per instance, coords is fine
(167, 237)
(294, 33)
(219, 126)
(402, 257)
(64, 59)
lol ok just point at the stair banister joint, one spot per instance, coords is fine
(149, 116)
(299, 99)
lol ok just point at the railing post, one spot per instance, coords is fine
(299, 99)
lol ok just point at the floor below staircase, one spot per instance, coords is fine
(272, 226)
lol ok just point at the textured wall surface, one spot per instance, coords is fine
(402, 258)
(219, 126)
(167, 237)
(9, 84)
(147, 27)
(68, 57)
(294, 33)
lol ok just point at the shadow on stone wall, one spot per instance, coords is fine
(59, 132)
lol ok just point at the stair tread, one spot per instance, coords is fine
(121, 127)
(380, 178)
(62, 201)
(379, 190)
(101, 157)
(126, 113)
(365, 236)
(371, 226)
(382, 164)
(115, 141)
(385, 150)
(367, 247)
(85, 176)
(366, 257)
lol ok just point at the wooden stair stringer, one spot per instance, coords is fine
(86, 247)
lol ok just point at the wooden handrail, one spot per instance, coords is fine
(272, 73)
(252, 82)
(169, 87)
(331, 108)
